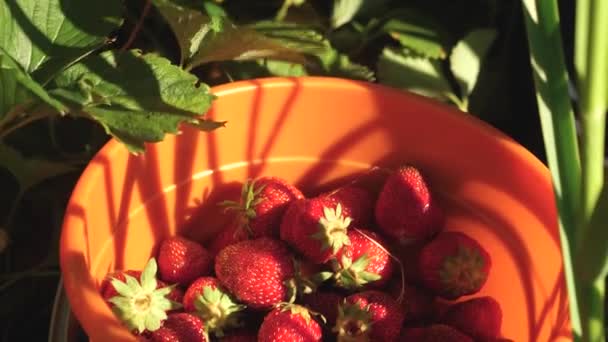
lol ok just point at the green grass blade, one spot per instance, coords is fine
(557, 123)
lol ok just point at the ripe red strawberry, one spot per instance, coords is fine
(289, 323)
(256, 271)
(258, 214)
(326, 303)
(365, 262)
(262, 205)
(181, 327)
(406, 210)
(317, 228)
(480, 318)
(356, 203)
(181, 260)
(369, 315)
(207, 299)
(418, 304)
(433, 333)
(139, 302)
(454, 265)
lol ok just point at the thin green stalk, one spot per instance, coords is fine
(593, 325)
(592, 71)
(581, 32)
(594, 91)
(559, 133)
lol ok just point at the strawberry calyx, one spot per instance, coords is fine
(217, 310)
(139, 304)
(333, 228)
(353, 323)
(463, 270)
(245, 207)
(353, 275)
(303, 283)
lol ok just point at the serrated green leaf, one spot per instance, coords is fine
(344, 11)
(30, 171)
(242, 43)
(417, 32)
(18, 90)
(467, 56)
(55, 32)
(137, 98)
(189, 24)
(420, 75)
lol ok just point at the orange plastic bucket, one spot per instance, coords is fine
(313, 131)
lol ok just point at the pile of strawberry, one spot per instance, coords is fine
(358, 263)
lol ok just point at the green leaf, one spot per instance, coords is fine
(241, 43)
(418, 33)
(137, 98)
(210, 38)
(344, 11)
(420, 75)
(190, 25)
(301, 38)
(30, 171)
(18, 90)
(53, 33)
(467, 56)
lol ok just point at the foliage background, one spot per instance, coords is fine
(29, 273)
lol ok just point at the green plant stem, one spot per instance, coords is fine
(559, 133)
(591, 60)
(581, 32)
(594, 95)
(593, 295)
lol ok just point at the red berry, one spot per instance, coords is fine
(181, 327)
(290, 323)
(454, 265)
(364, 262)
(480, 318)
(181, 260)
(406, 210)
(317, 228)
(433, 333)
(256, 271)
(369, 315)
(262, 205)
